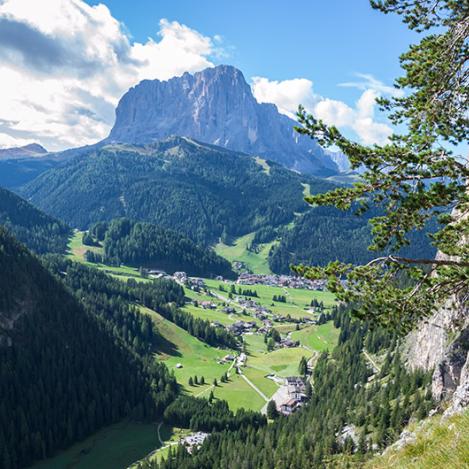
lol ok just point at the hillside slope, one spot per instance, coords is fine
(433, 443)
(145, 245)
(201, 190)
(38, 231)
(62, 375)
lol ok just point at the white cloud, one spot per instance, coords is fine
(64, 65)
(370, 82)
(288, 94)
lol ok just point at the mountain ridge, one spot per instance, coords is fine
(216, 106)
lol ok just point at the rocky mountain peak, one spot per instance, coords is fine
(216, 106)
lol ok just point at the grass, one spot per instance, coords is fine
(238, 251)
(267, 386)
(282, 362)
(323, 337)
(238, 394)
(113, 447)
(196, 357)
(439, 444)
(169, 438)
(263, 163)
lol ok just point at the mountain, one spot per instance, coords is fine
(216, 106)
(38, 231)
(65, 372)
(201, 190)
(33, 150)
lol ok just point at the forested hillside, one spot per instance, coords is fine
(324, 234)
(146, 245)
(197, 189)
(38, 231)
(66, 368)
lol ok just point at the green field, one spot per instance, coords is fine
(238, 393)
(238, 251)
(282, 362)
(323, 337)
(113, 447)
(199, 359)
(196, 357)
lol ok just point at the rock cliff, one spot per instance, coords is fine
(441, 343)
(216, 106)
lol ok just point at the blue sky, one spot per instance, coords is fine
(64, 64)
(325, 41)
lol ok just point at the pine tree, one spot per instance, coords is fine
(272, 412)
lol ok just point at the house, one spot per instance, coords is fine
(180, 277)
(178, 365)
(193, 441)
(229, 310)
(229, 358)
(288, 343)
(241, 361)
(208, 305)
(289, 406)
(239, 327)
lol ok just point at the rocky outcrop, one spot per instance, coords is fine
(441, 343)
(216, 106)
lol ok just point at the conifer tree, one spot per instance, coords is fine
(415, 176)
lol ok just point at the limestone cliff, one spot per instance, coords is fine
(216, 106)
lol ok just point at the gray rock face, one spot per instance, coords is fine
(441, 343)
(216, 106)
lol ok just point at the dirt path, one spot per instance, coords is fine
(253, 386)
(376, 368)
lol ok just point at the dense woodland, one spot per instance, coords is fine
(38, 231)
(146, 245)
(342, 395)
(325, 234)
(67, 368)
(203, 191)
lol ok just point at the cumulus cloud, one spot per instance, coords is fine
(64, 65)
(288, 94)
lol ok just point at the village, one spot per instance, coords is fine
(292, 391)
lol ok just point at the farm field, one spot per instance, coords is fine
(282, 362)
(238, 393)
(113, 447)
